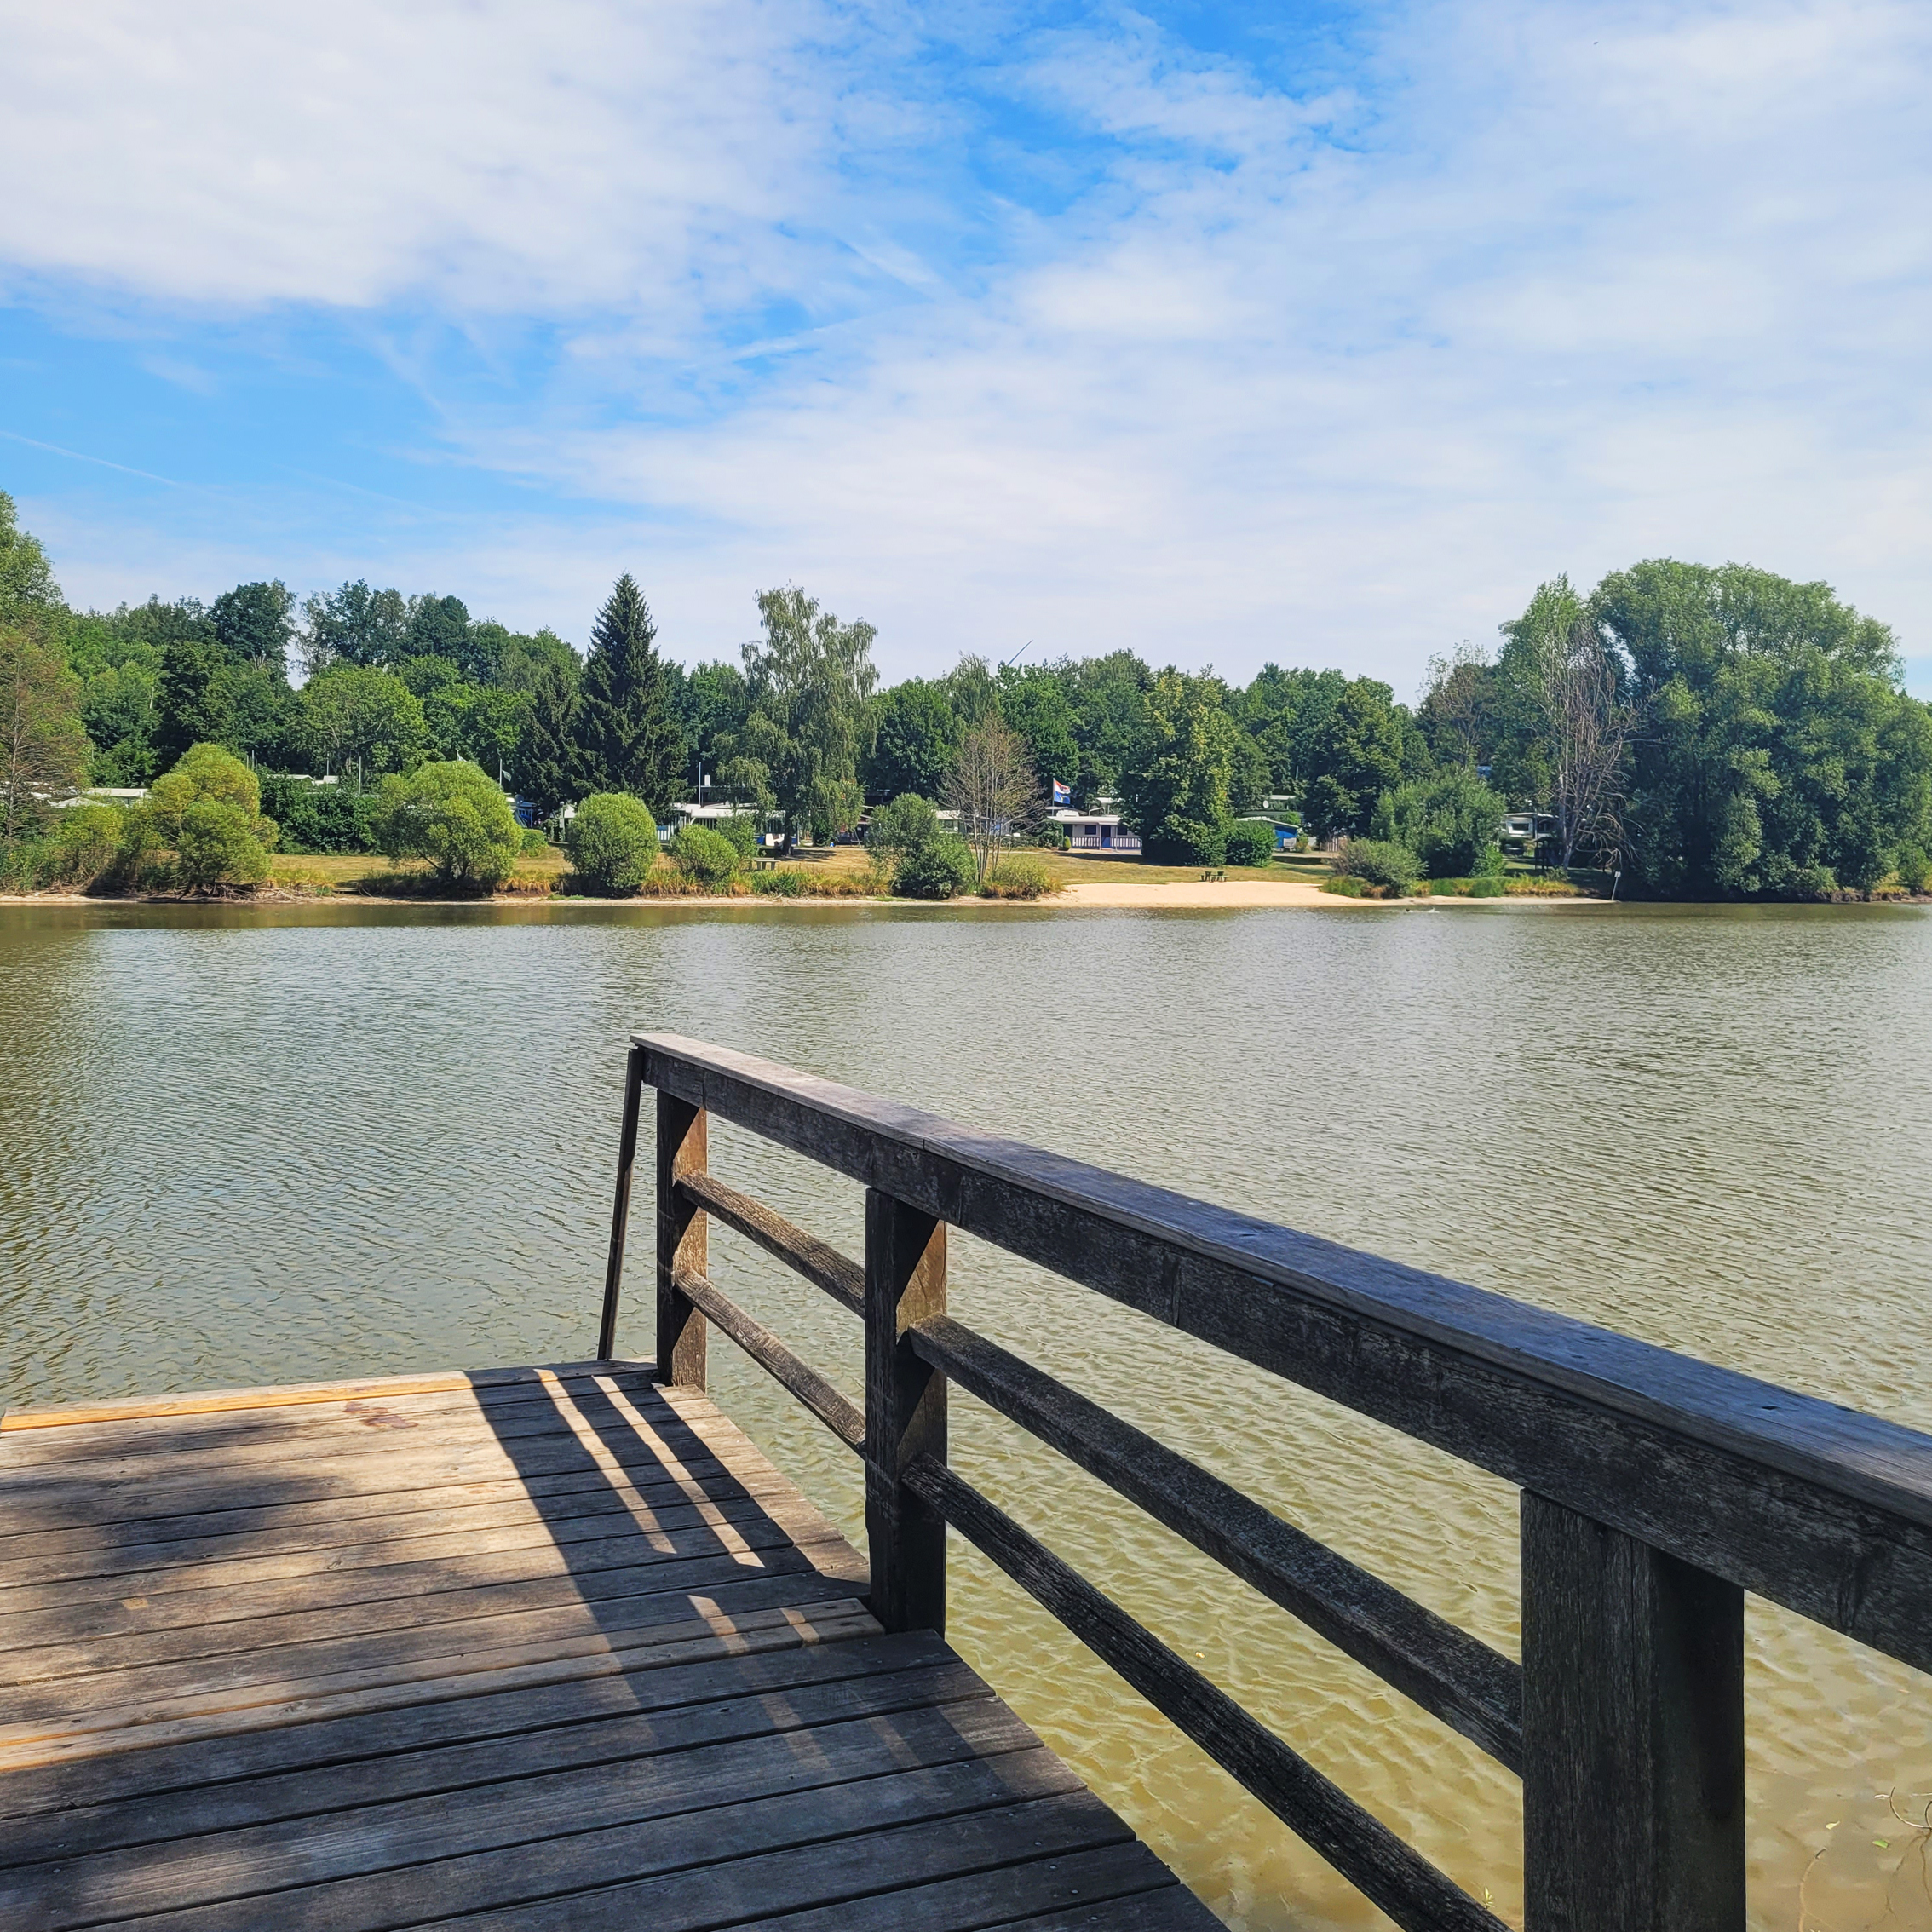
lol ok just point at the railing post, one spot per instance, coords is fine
(683, 1147)
(620, 1209)
(905, 1413)
(1633, 1734)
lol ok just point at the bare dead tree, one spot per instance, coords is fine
(993, 787)
(1586, 725)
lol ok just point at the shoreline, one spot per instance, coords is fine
(1177, 895)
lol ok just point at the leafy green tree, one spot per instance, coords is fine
(713, 706)
(42, 744)
(454, 814)
(1354, 756)
(1775, 748)
(526, 659)
(1108, 699)
(912, 735)
(120, 681)
(87, 839)
(1450, 822)
(439, 627)
(544, 766)
(1178, 791)
(972, 690)
(1034, 704)
(194, 698)
(808, 680)
(612, 842)
(362, 722)
(207, 810)
(253, 624)
(26, 578)
(706, 855)
(355, 625)
(1282, 710)
(1461, 715)
(626, 738)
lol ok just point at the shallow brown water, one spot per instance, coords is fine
(242, 1147)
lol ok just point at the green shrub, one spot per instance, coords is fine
(321, 817)
(942, 870)
(612, 842)
(207, 812)
(456, 815)
(908, 824)
(741, 830)
(1914, 868)
(216, 846)
(1187, 841)
(1378, 862)
(535, 845)
(86, 839)
(781, 882)
(1019, 875)
(707, 856)
(1249, 842)
(1449, 822)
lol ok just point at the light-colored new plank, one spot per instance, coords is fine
(212, 1401)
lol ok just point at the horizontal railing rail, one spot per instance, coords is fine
(1656, 1489)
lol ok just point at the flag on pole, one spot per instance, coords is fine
(1063, 794)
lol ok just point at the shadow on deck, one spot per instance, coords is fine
(545, 1648)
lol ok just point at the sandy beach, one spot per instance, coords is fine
(1188, 894)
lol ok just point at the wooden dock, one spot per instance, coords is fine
(548, 1647)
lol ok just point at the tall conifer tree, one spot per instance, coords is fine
(546, 764)
(626, 736)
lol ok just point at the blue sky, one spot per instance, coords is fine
(1314, 334)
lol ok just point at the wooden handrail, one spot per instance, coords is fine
(1823, 1509)
(1656, 1489)
(1358, 1844)
(840, 1414)
(1453, 1676)
(843, 1280)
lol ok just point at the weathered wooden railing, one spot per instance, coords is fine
(1656, 1490)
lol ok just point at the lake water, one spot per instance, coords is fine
(242, 1146)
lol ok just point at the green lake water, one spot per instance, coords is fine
(242, 1146)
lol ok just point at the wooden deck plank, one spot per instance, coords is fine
(712, 1595)
(339, 1412)
(271, 1703)
(304, 1529)
(220, 1784)
(1123, 1877)
(818, 1867)
(299, 1394)
(193, 1623)
(713, 1846)
(578, 1539)
(548, 1647)
(79, 1505)
(498, 1704)
(528, 1803)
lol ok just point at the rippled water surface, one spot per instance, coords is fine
(241, 1146)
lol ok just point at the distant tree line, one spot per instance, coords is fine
(1712, 732)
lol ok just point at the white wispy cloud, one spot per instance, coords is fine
(1307, 367)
